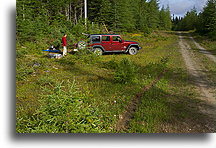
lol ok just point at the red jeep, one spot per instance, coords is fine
(104, 43)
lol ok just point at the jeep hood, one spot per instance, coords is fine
(131, 42)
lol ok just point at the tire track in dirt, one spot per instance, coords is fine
(201, 82)
(128, 114)
(203, 50)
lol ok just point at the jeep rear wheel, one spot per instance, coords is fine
(132, 50)
(81, 45)
(98, 51)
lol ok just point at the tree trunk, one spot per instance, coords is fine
(23, 12)
(75, 16)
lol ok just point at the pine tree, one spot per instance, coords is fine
(207, 20)
(153, 14)
(105, 13)
(188, 22)
(122, 18)
(94, 7)
(165, 19)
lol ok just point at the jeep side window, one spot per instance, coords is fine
(105, 38)
(116, 38)
(96, 39)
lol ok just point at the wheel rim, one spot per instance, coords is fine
(133, 51)
(82, 45)
(98, 51)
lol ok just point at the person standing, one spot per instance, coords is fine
(64, 44)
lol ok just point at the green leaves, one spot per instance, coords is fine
(207, 19)
(165, 19)
(188, 22)
(41, 20)
(125, 72)
(204, 22)
(64, 110)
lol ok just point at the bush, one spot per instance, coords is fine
(63, 111)
(125, 72)
(86, 56)
(155, 69)
(112, 64)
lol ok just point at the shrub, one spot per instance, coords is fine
(154, 69)
(64, 110)
(125, 72)
(112, 64)
(86, 56)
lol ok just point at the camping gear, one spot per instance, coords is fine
(56, 56)
(52, 49)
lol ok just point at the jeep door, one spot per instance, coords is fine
(117, 44)
(106, 42)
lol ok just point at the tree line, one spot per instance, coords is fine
(36, 19)
(130, 15)
(204, 22)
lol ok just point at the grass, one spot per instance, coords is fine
(84, 93)
(206, 42)
(170, 103)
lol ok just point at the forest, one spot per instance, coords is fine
(203, 23)
(38, 20)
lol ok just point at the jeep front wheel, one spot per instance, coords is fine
(98, 51)
(132, 50)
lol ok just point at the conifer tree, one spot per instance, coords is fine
(153, 14)
(105, 13)
(165, 19)
(207, 20)
(123, 19)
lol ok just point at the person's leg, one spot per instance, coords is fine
(64, 50)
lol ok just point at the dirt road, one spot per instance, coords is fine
(199, 78)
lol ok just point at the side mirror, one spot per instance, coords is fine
(120, 40)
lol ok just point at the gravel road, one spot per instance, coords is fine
(200, 79)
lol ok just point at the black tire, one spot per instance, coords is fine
(98, 51)
(81, 44)
(133, 51)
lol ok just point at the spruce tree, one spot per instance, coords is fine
(123, 19)
(207, 20)
(153, 14)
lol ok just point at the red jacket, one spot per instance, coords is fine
(64, 41)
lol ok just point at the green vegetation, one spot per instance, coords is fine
(85, 93)
(204, 23)
(125, 72)
(45, 21)
(90, 87)
(62, 110)
(47, 100)
(170, 103)
(207, 64)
